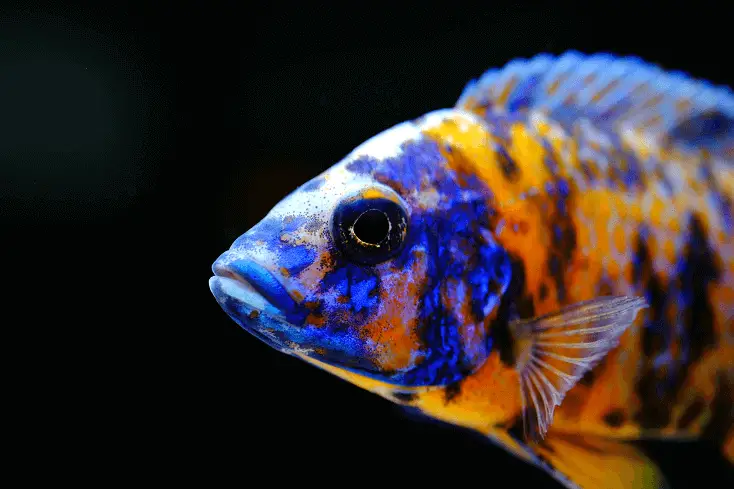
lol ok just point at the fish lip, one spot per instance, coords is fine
(253, 275)
(267, 320)
(223, 271)
(235, 288)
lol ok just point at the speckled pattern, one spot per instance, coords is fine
(553, 181)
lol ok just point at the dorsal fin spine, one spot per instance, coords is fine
(625, 95)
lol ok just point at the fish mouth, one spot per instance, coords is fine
(256, 285)
(232, 287)
(257, 301)
(246, 307)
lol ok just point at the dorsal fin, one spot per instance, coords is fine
(622, 94)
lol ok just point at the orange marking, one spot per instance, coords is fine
(315, 320)
(606, 223)
(554, 86)
(620, 239)
(394, 329)
(488, 397)
(507, 89)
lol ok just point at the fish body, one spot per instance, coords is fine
(549, 263)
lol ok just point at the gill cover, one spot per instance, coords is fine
(402, 274)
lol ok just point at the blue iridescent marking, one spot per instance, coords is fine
(265, 283)
(267, 230)
(633, 174)
(313, 185)
(295, 258)
(343, 346)
(293, 223)
(448, 358)
(362, 165)
(454, 249)
(710, 130)
(356, 283)
(522, 96)
(603, 88)
(267, 233)
(362, 294)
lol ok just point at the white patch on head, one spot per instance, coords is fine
(339, 183)
(319, 204)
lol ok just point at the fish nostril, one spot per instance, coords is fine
(263, 281)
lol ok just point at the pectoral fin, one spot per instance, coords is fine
(555, 350)
(581, 462)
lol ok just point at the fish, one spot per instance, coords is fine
(548, 263)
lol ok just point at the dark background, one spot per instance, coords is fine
(137, 141)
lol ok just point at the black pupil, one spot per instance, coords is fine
(372, 227)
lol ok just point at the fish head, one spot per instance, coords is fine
(384, 265)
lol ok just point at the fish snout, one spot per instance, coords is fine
(253, 276)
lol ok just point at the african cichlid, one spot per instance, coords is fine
(549, 263)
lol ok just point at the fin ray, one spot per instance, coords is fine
(625, 95)
(586, 462)
(597, 463)
(548, 369)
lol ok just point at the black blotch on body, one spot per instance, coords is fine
(655, 411)
(654, 339)
(692, 412)
(590, 376)
(452, 391)
(699, 268)
(516, 303)
(514, 428)
(543, 292)
(555, 270)
(509, 168)
(406, 397)
(721, 419)
(704, 129)
(614, 418)
(563, 237)
(722, 200)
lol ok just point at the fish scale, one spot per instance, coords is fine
(644, 206)
(550, 263)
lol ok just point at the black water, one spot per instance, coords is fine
(138, 140)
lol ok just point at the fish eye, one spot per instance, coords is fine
(369, 230)
(371, 227)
